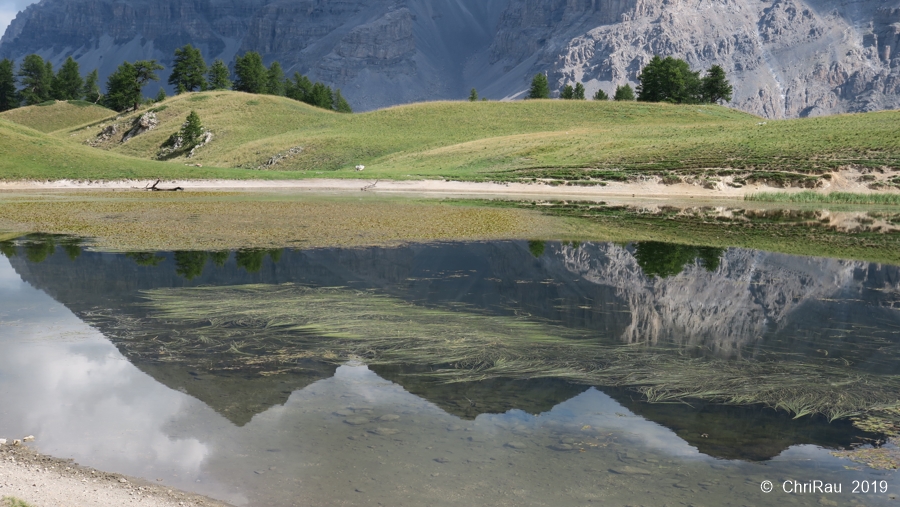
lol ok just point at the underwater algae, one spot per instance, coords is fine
(269, 329)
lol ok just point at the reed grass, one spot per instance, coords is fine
(269, 329)
(808, 196)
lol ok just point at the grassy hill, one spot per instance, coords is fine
(26, 153)
(55, 115)
(587, 142)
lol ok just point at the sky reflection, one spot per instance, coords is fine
(352, 439)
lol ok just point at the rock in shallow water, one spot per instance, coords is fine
(630, 470)
(384, 431)
(356, 421)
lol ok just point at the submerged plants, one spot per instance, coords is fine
(270, 329)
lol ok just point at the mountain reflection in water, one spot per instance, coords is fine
(732, 304)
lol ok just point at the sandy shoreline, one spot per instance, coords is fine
(651, 187)
(46, 481)
(435, 187)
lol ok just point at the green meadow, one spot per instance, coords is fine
(577, 142)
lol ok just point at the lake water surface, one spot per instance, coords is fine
(488, 373)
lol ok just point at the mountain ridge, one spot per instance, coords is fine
(787, 58)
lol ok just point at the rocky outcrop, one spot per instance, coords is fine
(144, 123)
(787, 58)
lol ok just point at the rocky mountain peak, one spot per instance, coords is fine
(786, 58)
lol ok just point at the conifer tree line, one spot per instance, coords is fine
(35, 81)
(662, 80)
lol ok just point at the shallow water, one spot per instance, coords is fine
(81, 369)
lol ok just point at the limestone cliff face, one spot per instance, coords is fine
(787, 58)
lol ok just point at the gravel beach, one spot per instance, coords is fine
(45, 481)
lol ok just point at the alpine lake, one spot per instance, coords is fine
(675, 354)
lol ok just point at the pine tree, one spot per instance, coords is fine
(579, 92)
(567, 93)
(217, 79)
(715, 87)
(668, 80)
(624, 92)
(188, 69)
(473, 95)
(250, 73)
(91, 90)
(8, 98)
(601, 95)
(540, 88)
(191, 130)
(67, 84)
(124, 87)
(145, 71)
(340, 103)
(299, 88)
(275, 80)
(120, 88)
(160, 95)
(321, 96)
(36, 82)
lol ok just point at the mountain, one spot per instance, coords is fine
(787, 58)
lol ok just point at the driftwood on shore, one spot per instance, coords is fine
(154, 188)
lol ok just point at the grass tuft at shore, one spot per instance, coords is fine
(829, 198)
(11, 501)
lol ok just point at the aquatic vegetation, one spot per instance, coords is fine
(884, 421)
(879, 458)
(270, 329)
(146, 221)
(829, 198)
(861, 234)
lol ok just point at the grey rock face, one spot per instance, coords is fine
(787, 58)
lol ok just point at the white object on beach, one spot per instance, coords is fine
(29, 438)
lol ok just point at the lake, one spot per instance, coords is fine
(460, 373)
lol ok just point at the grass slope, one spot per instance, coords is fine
(586, 141)
(28, 154)
(251, 129)
(829, 198)
(57, 115)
